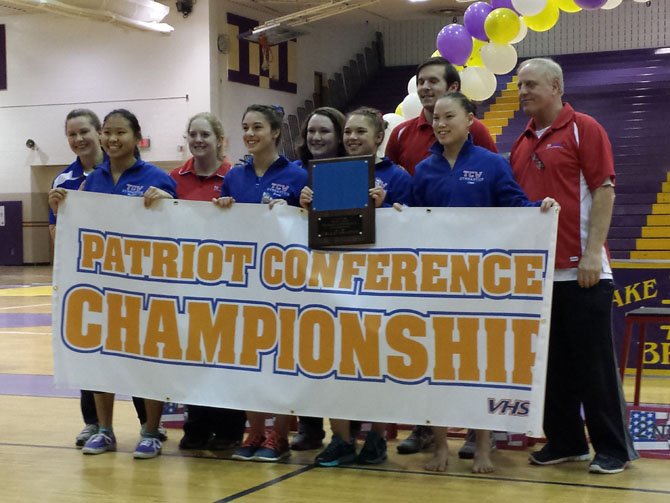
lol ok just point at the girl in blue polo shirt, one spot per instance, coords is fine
(458, 173)
(124, 173)
(320, 138)
(82, 129)
(363, 134)
(267, 177)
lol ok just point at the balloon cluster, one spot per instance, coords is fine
(483, 46)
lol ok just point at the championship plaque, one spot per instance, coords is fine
(342, 211)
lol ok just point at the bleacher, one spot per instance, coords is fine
(628, 93)
(340, 92)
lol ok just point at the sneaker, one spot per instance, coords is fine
(275, 448)
(467, 451)
(306, 442)
(547, 456)
(602, 463)
(338, 452)
(374, 449)
(162, 432)
(187, 443)
(147, 448)
(99, 443)
(420, 438)
(88, 431)
(246, 451)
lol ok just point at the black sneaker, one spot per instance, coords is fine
(306, 442)
(374, 449)
(420, 438)
(603, 463)
(187, 443)
(547, 456)
(338, 452)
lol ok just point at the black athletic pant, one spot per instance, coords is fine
(224, 423)
(88, 412)
(582, 370)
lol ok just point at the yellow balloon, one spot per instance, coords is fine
(568, 5)
(435, 54)
(398, 109)
(501, 25)
(459, 68)
(545, 20)
(475, 58)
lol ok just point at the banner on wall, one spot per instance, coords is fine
(643, 284)
(260, 64)
(444, 321)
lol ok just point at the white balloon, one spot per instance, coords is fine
(611, 4)
(478, 83)
(523, 31)
(638, 1)
(392, 121)
(529, 7)
(411, 85)
(499, 58)
(411, 106)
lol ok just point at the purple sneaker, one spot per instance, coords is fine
(99, 443)
(149, 447)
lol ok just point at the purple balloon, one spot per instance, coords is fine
(454, 43)
(590, 4)
(504, 4)
(474, 18)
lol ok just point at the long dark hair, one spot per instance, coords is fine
(273, 114)
(466, 103)
(132, 120)
(336, 117)
(375, 118)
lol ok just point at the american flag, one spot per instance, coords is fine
(649, 429)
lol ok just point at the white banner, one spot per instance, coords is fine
(444, 321)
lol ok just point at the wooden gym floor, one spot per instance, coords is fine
(38, 460)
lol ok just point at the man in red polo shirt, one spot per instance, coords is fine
(409, 142)
(568, 156)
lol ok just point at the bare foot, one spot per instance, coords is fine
(482, 463)
(439, 461)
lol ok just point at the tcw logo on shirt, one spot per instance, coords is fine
(134, 190)
(472, 177)
(279, 190)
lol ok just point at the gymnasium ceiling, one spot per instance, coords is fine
(380, 10)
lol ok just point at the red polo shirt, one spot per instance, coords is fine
(409, 142)
(571, 159)
(197, 188)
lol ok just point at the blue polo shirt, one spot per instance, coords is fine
(394, 180)
(133, 182)
(478, 178)
(70, 178)
(282, 180)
